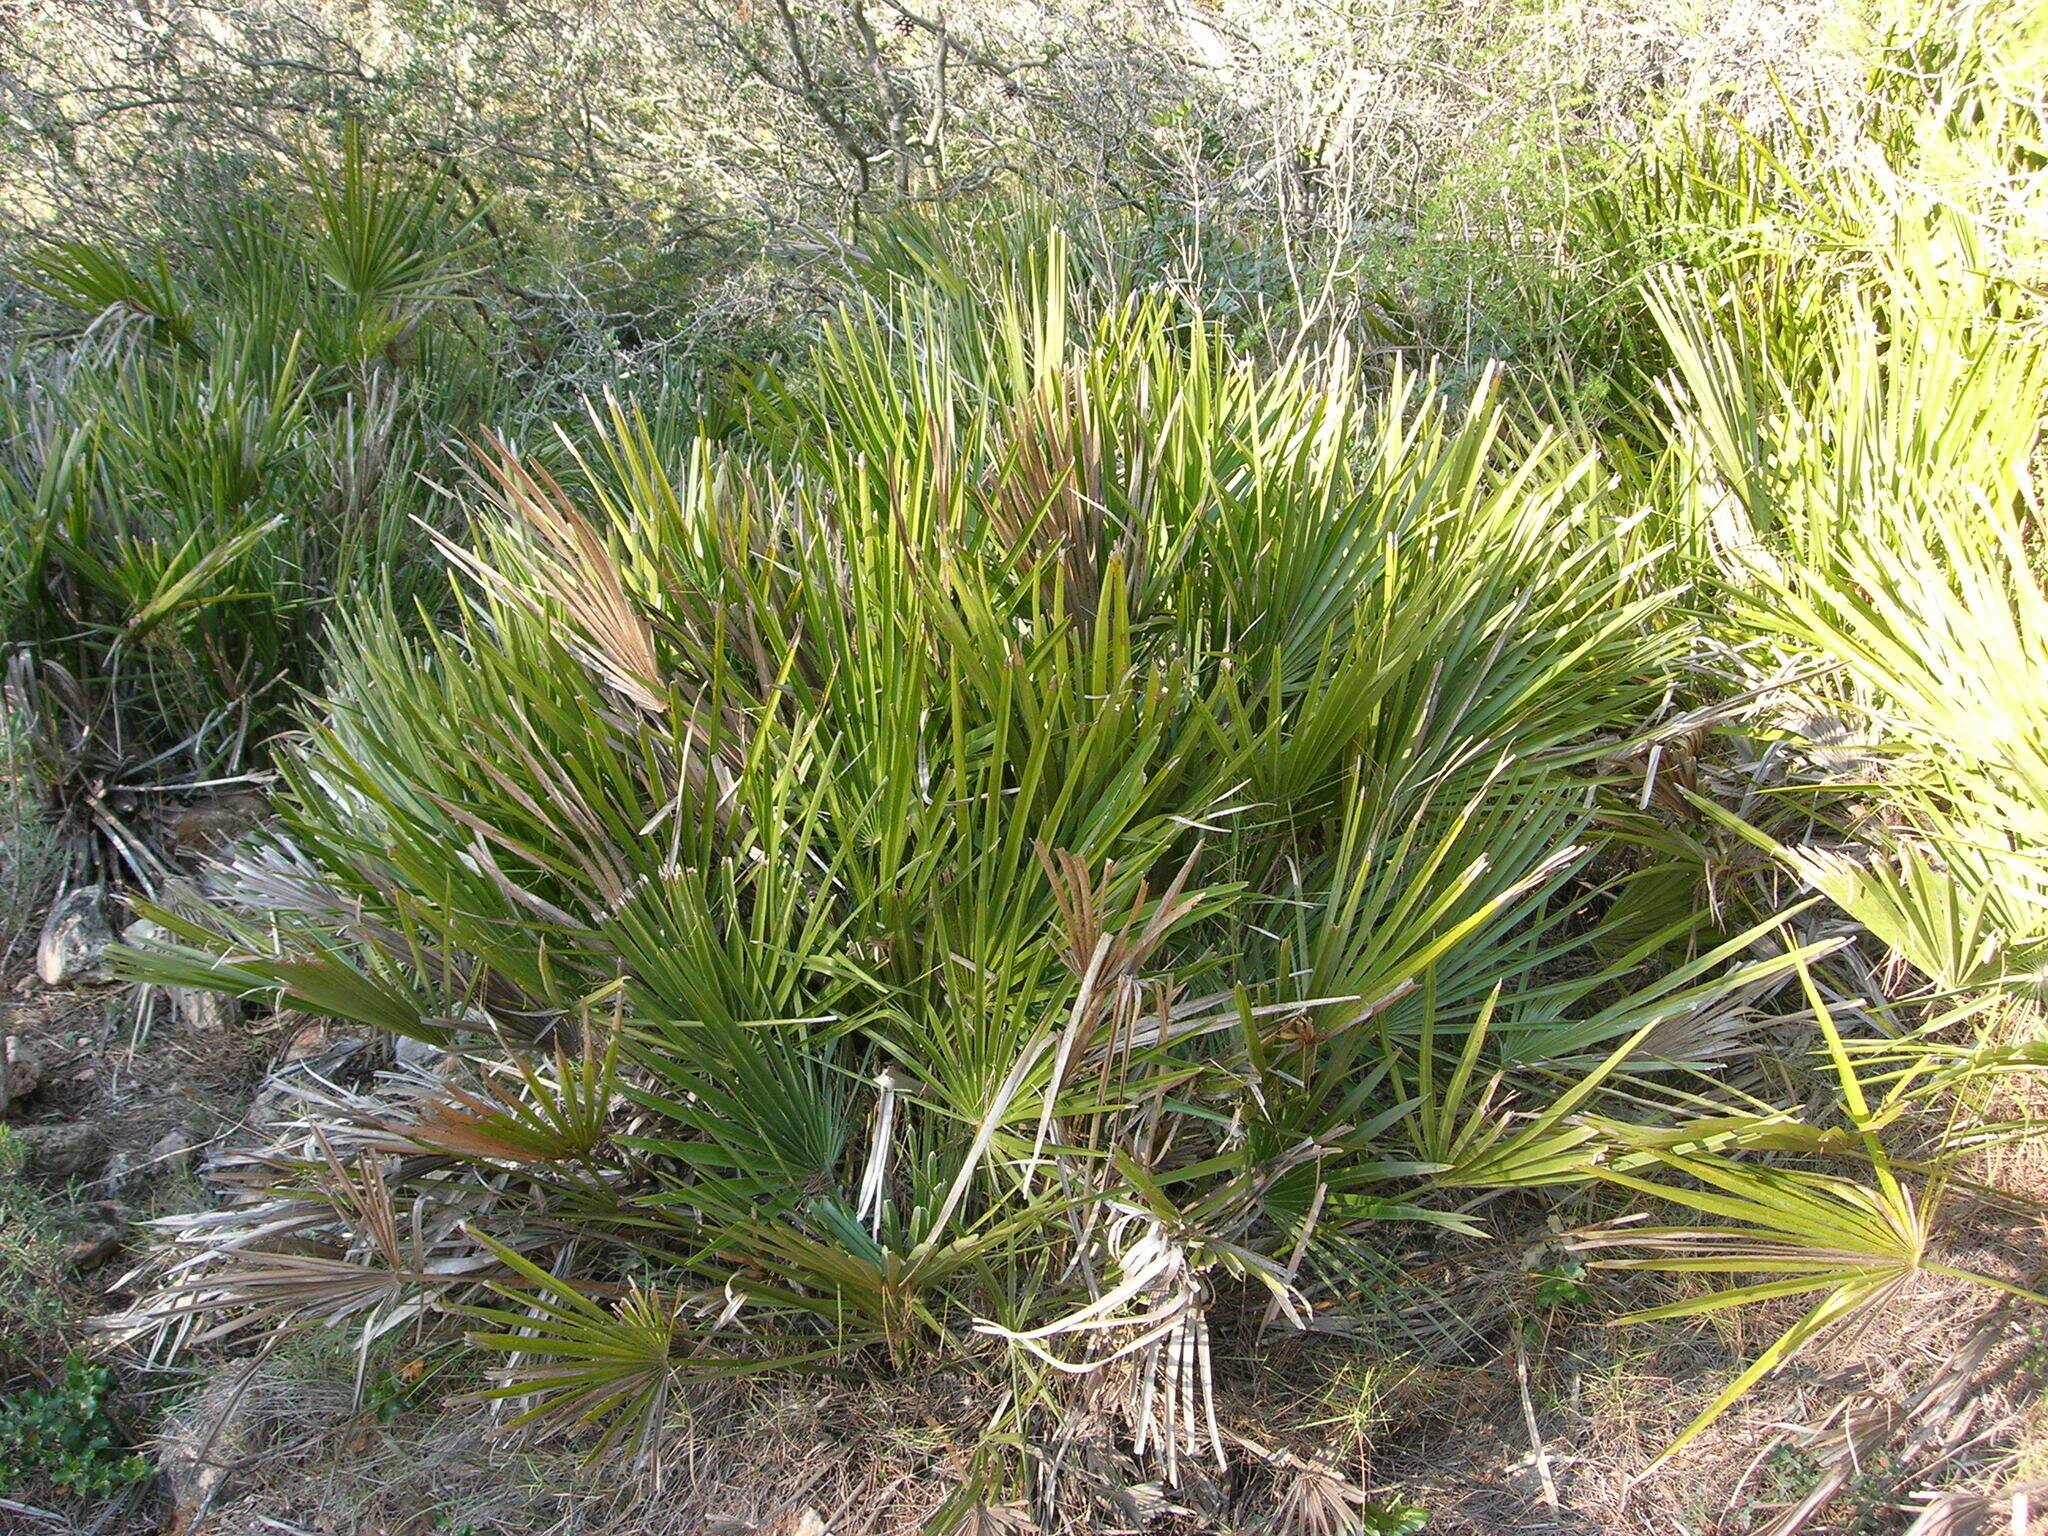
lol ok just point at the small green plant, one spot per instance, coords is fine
(1392, 1515)
(1560, 1283)
(1871, 1492)
(390, 1391)
(1784, 1478)
(65, 1435)
(1354, 1404)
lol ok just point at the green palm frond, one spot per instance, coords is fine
(1852, 1246)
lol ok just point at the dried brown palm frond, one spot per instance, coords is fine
(1082, 1464)
(1088, 925)
(1106, 960)
(548, 1112)
(579, 574)
(1047, 500)
(983, 1518)
(574, 577)
(1721, 1032)
(1315, 1499)
(1311, 1496)
(1152, 1326)
(323, 1224)
(1968, 1512)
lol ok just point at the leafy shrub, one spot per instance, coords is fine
(64, 1435)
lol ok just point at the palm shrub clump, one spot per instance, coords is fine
(209, 442)
(1030, 845)
(1068, 828)
(1851, 436)
(1854, 449)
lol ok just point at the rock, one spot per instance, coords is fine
(207, 829)
(21, 1070)
(94, 1246)
(75, 939)
(66, 1151)
(423, 1055)
(171, 1153)
(196, 1008)
(206, 1012)
(145, 931)
(124, 1174)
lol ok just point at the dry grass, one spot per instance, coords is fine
(1929, 1411)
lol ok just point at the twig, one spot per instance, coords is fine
(1536, 1452)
